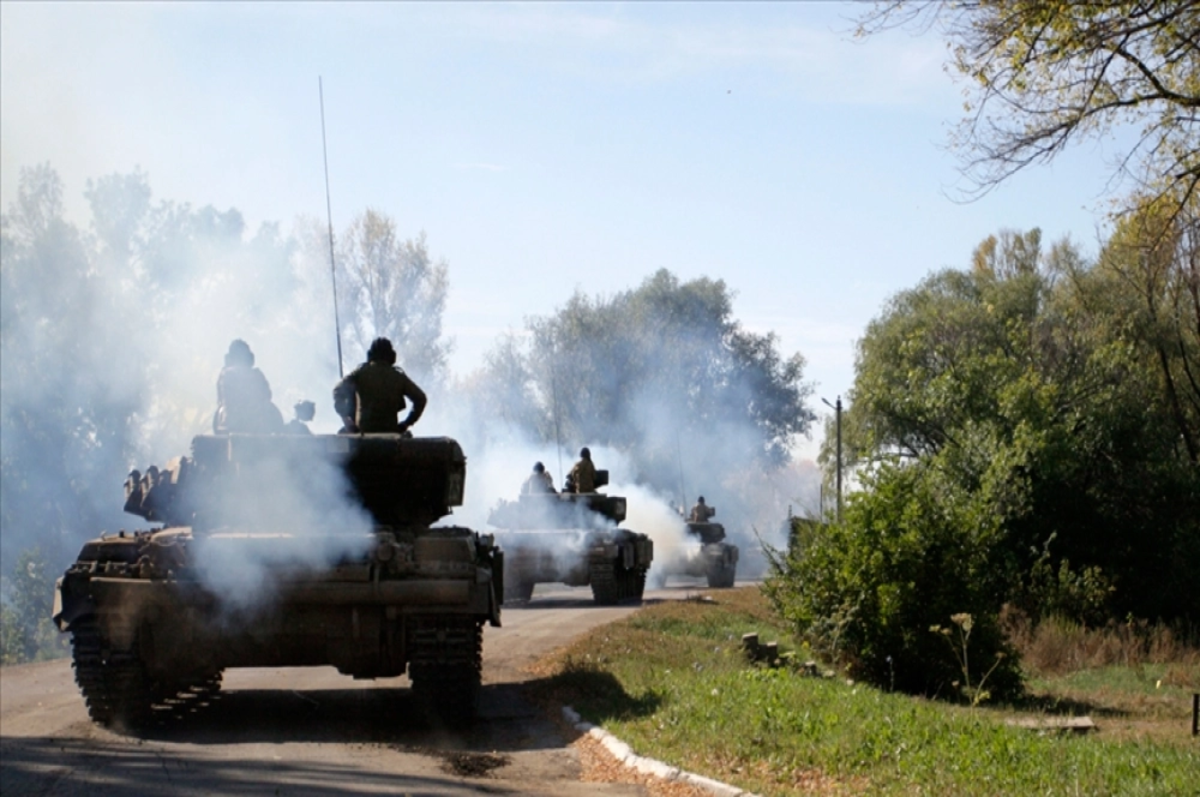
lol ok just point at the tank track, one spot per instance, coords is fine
(116, 687)
(721, 575)
(114, 683)
(613, 584)
(445, 667)
(518, 589)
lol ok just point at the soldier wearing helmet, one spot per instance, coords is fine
(371, 397)
(538, 482)
(244, 396)
(701, 512)
(582, 478)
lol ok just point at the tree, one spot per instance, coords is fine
(28, 630)
(663, 372)
(1015, 444)
(1040, 390)
(1153, 258)
(390, 288)
(106, 353)
(1046, 74)
(66, 432)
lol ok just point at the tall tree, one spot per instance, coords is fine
(665, 373)
(1031, 378)
(1154, 259)
(65, 434)
(1046, 73)
(1015, 445)
(388, 287)
(105, 349)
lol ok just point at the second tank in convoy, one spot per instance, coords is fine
(574, 539)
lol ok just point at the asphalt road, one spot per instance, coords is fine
(310, 731)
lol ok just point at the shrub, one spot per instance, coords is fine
(911, 553)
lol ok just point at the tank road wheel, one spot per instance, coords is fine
(114, 683)
(445, 667)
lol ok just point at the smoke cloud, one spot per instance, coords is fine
(113, 336)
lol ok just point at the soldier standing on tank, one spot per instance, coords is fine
(701, 512)
(371, 397)
(538, 482)
(244, 396)
(582, 478)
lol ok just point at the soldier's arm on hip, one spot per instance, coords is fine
(417, 396)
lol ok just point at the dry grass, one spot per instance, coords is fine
(1057, 646)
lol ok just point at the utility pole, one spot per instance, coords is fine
(838, 411)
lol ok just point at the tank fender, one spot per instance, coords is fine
(71, 606)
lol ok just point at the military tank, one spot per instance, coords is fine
(714, 559)
(574, 539)
(285, 550)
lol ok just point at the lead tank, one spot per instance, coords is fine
(285, 550)
(573, 539)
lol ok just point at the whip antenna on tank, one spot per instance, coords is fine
(337, 323)
(554, 396)
(679, 458)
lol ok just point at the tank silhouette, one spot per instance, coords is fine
(285, 550)
(574, 539)
(714, 559)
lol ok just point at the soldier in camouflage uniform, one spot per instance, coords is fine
(582, 478)
(371, 397)
(701, 512)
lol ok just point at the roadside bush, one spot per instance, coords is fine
(26, 631)
(912, 553)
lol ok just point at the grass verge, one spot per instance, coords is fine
(672, 682)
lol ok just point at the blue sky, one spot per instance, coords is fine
(544, 147)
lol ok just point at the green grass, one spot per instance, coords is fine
(672, 682)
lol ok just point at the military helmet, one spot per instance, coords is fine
(539, 467)
(381, 351)
(239, 353)
(585, 453)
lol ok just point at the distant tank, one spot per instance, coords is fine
(574, 539)
(713, 559)
(285, 550)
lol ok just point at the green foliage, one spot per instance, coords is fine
(1017, 440)
(911, 552)
(1042, 75)
(27, 632)
(1065, 592)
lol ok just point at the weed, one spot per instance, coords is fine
(975, 693)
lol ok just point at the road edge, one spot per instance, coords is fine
(649, 766)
